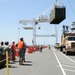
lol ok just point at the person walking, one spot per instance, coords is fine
(21, 47)
(13, 48)
(49, 46)
(40, 48)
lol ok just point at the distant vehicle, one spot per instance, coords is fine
(57, 46)
(68, 41)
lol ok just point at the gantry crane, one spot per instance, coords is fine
(39, 19)
(35, 22)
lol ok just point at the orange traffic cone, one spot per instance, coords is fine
(29, 50)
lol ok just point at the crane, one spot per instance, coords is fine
(39, 19)
(35, 22)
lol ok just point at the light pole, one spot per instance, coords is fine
(18, 34)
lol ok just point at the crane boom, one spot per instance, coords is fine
(26, 21)
(40, 18)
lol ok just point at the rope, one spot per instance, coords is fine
(3, 60)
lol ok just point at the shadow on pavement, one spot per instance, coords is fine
(27, 64)
(71, 54)
(10, 66)
(2, 67)
(28, 61)
(17, 61)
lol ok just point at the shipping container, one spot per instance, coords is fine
(58, 15)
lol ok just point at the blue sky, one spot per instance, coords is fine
(11, 11)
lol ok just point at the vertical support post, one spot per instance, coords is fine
(56, 33)
(7, 64)
(34, 33)
(18, 34)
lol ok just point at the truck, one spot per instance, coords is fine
(57, 46)
(68, 40)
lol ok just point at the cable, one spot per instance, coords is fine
(68, 14)
(48, 31)
(71, 7)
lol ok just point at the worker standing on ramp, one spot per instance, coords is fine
(21, 51)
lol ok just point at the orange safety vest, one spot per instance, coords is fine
(21, 44)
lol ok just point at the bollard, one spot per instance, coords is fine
(7, 64)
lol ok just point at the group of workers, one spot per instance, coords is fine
(20, 47)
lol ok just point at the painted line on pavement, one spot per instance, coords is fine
(69, 70)
(68, 63)
(68, 66)
(59, 63)
(68, 57)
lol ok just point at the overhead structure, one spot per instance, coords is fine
(42, 18)
(28, 28)
(45, 35)
(73, 27)
(35, 22)
(58, 14)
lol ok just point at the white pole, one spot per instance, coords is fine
(18, 34)
(56, 33)
(34, 33)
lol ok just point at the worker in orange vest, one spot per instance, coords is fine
(13, 47)
(21, 47)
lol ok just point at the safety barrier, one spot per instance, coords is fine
(29, 50)
(4, 61)
(32, 49)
